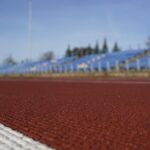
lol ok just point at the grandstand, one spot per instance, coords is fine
(114, 61)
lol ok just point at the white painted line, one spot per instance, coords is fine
(13, 140)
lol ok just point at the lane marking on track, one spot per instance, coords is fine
(13, 140)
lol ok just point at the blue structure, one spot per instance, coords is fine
(126, 60)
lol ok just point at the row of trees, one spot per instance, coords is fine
(82, 51)
(49, 55)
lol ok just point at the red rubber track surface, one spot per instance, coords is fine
(78, 116)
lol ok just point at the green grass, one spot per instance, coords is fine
(111, 74)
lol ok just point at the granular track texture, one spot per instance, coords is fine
(78, 116)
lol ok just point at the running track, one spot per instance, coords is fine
(76, 115)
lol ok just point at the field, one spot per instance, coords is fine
(79, 115)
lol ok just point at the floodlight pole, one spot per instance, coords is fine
(30, 27)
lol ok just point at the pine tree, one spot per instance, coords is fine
(148, 42)
(68, 52)
(76, 51)
(89, 49)
(116, 47)
(96, 50)
(105, 46)
(9, 60)
(84, 51)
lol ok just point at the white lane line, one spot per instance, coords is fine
(13, 140)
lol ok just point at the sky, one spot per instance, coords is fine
(59, 23)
